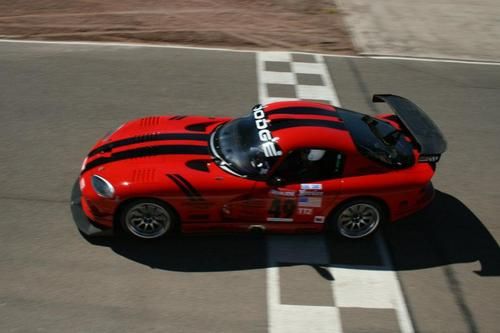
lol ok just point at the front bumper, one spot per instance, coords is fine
(86, 225)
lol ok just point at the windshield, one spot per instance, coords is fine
(245, 146)
(378, 139)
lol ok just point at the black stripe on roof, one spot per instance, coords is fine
(279, 124)
(148, 151)
(148, 138)
(304, 110)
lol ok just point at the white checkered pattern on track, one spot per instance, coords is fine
(354, 290)
(285, 76)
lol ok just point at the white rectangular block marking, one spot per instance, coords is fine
(358, 288)
(278, 77)
(275, 56)
(307, 68)
(284, 318)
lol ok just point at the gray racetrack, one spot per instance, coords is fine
(56, 100)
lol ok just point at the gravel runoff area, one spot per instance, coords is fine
(456, 29)
(300, 25)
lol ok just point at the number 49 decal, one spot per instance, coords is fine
(282, 208)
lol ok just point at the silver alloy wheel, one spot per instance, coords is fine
(148, 220)
(358, 220)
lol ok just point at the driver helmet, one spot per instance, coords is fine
(258, 160)
(315, 155)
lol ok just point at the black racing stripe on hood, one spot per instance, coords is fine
(304, 110)
(148, 138)
(148, 151)
(279, 124)
(200, 127)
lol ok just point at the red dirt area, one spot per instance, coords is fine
(299, 25)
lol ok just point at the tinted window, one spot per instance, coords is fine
(299, 168)
(378, 139)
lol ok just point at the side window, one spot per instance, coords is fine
(307, 165)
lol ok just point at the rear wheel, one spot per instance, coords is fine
(358, 218)
(147, 218)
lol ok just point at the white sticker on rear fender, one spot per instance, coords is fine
(311, 186)
(311, 193)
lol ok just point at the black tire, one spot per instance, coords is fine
(148, 219)
(358, 218)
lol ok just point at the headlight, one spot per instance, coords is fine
(102, 187)
(82, 184)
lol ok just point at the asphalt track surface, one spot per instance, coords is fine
(56, 100)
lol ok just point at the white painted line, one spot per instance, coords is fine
(180, 46)
(307, 68)
(404, 319)
(279, 77)
(268, 100)
(124, 44)
(360, 288)
(451, 61)
(284, 318)
(302, 318)
(356, 286)
(276, 56)
(314, 92)
(304, 249)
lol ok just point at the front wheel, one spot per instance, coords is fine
(147, 218)
(358, 218)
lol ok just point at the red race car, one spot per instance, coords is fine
(288, 166)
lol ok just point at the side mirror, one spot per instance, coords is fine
(276, 181)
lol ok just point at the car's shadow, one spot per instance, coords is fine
(446, 232)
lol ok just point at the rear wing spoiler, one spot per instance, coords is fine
(428, 136)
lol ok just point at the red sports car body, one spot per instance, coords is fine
(287, 166)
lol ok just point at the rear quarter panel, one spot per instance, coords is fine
(401, 190)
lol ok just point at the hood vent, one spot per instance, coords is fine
(199, 165)
(150, 121)
(143, 175)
